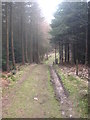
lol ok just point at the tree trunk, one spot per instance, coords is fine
(26, 47)
(33, 53)
(87, 21)
(68, 52)
(72, 53)
(47, 54)
(76, 59)
(62, 53)
(22, 45)
(12, 45)
(86, 53)
(65, 53)
(55, 52)
(31, 60)
(7, 40)
(37, 51)
(77, 67)
(37, 42)
(31, 42)
(88, 34)
(59, 54)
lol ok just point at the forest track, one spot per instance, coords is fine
(66, 105)
(33, 97)
(7, 98)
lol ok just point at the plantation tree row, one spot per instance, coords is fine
(24, 34)
(70, 32)
(88, 33)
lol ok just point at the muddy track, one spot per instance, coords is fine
(65, 91)
(7, 98)
(66, 105)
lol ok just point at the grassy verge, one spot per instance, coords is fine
(78, 89)
(14, 78)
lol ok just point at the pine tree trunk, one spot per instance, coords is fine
(22, 44)
(37, 52)
(47, 54)
(89, 34)
(74, 53)
(76, 59)
(65, 53)
(87, 24)
(23, 59)
(37, 42)
(62, 53)
(31, 59)
(12, 45)
(86, 53)
(31, 42)
(77, 67)
(7, 40)
(59, 53)
(55, 52)
(68, 52)
(26, 46)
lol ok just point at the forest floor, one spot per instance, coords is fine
(43, 91)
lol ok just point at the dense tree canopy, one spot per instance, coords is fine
(69, 28)
(89, 32)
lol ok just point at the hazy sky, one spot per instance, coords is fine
(48, 7)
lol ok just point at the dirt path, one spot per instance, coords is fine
(8, 96)
(66, 105)
(32, 97)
